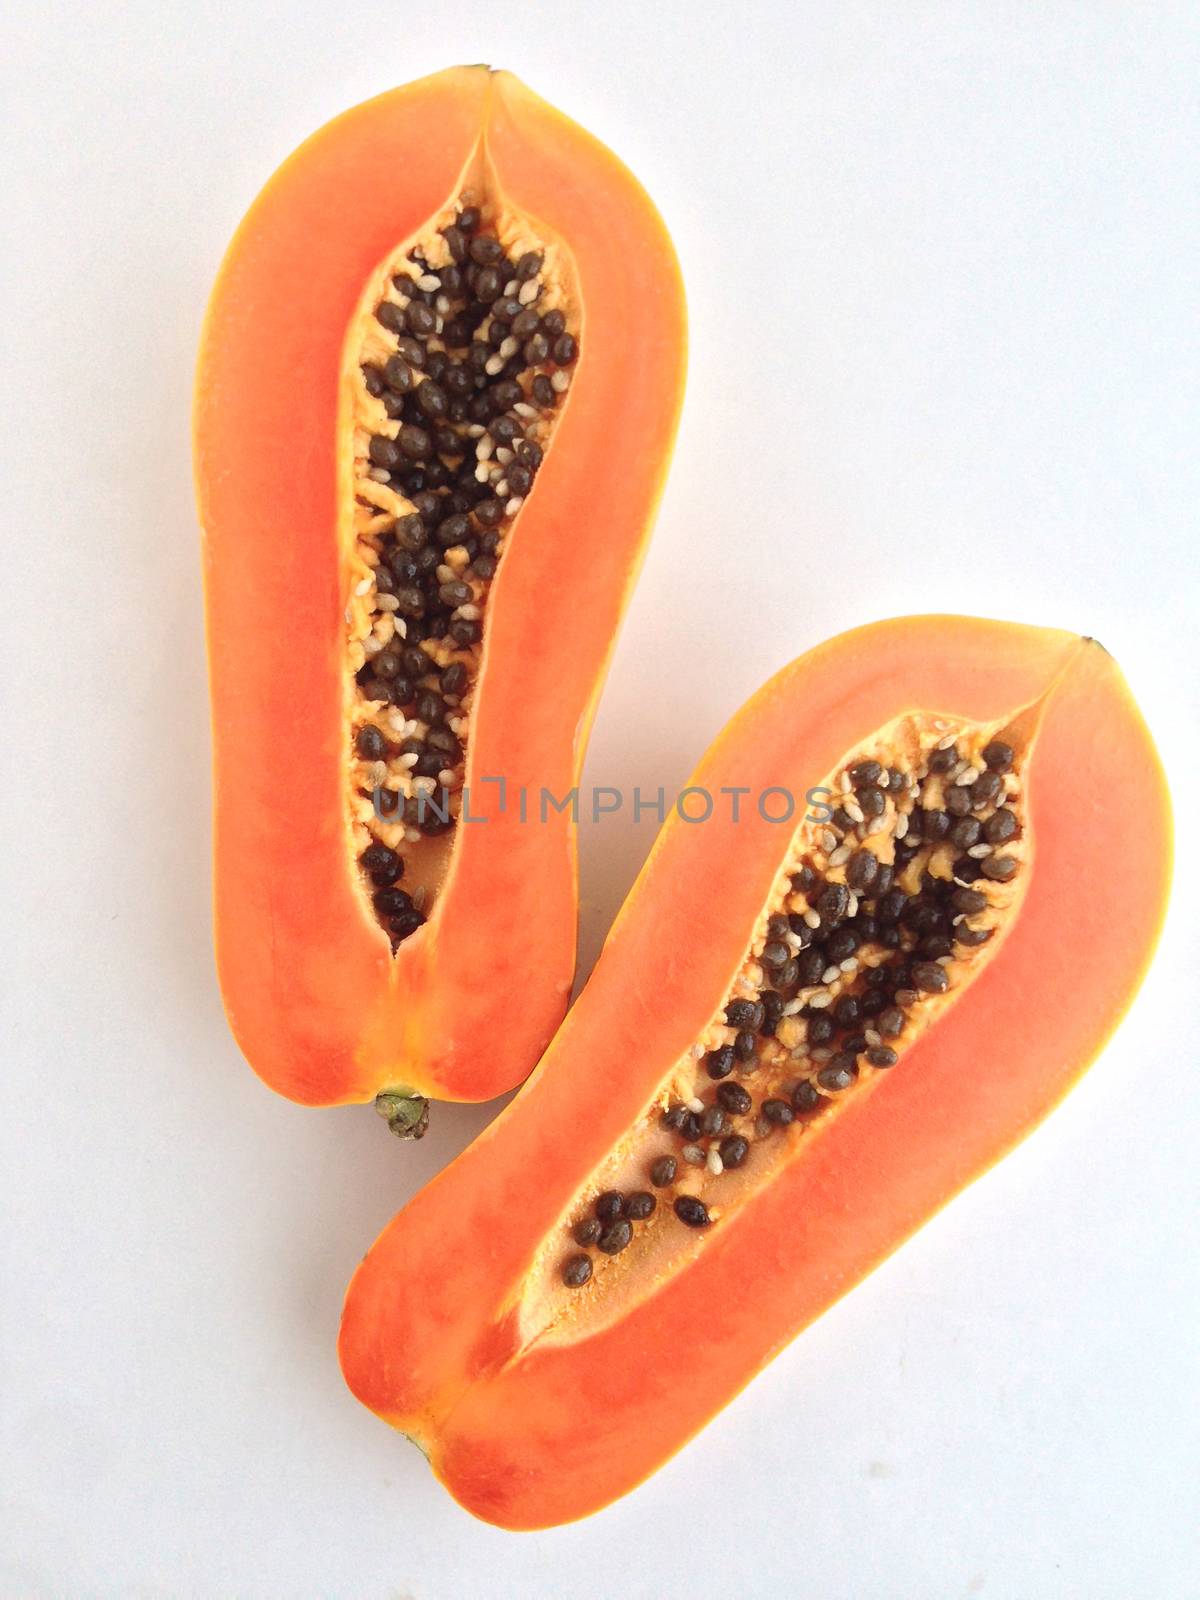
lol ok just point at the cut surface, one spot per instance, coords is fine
(467, 1325)
(456, 367)
(893, 894)
(303, 400)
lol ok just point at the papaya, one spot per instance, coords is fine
(902, 904)
(437, 390)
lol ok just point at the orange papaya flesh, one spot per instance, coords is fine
(469, 1325)
(422, 357)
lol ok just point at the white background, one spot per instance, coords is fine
(944, 355)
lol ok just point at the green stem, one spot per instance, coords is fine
(407, 1113)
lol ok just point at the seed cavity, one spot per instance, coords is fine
(878, 917)
(459, 386)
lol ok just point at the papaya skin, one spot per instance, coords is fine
(320, 1006)
(532, 1433)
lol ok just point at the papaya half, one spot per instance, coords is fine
(902, 904)
(437, 391)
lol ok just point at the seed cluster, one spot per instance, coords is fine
(471, 355)
(881, 910)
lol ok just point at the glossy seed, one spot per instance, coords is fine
(872, 801)
(577, 1270)
(745, 1045)
(985, 789)
(999, 869)
(935, 824)
(833, 902)
(861, 870)
(778, 1112)
(484, 251)
(809, 966)
(382, 865)
(734, 1098)
(390, 315)
(454, 679)
(966, 832)
(610, 1205)
(691, 1211)
(640, 1205)
(820, 1029)
(398, 374)
(734, 1150)
(587, 1231)
(744, 1013)
(930, 978)
(968, 901)
(662, 1173)
(805, 1097)
(837, 1075)
(712, 1121)
(720, 1063)
(998, 756)
(615, 1237)
(841, 944)
(419, 319)
(385, 453)
(414, 442)
(847, 1011)
(369, 743)
(958, 802)
(1000, 827)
